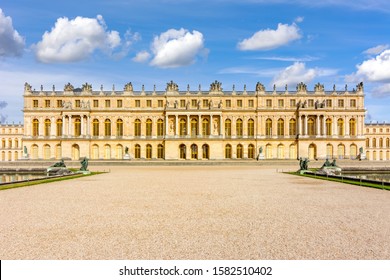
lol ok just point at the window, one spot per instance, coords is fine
(310, 127)
(59, 127)
(149, 103)
(205, 127)
(239, 128)
(280, 103)
(352, 103)
(148, 151)
(47, 103)
(160, 151)
(119, 103)
(380, 143)
(268, 127)
(292, 127)
(137, 127)
(250, 103)
(340, 127)
(310, 103)
(205, 103)
(228, 151)
(280, 127)
(194, 151)
(108, 103)
(160, 127)
(239, 151)
(59, 103)
(77, 104)
(137, 151)
(328, 127)
(193, 103)
(119, 127)
(47, 127)
(352, 127)
(182, 103)
(374, 142)
(160, 103)
(292, 103)
(251, 127)
(341, 103)
(35, 103)
(228, 127)
(239, 103)
(329, 103)
(35, 127)
(149, 127)
(268, 103)
(95, 127)
(138, 103)
(194, 127)
(107, 127)
(77, 127)
(182, 126)
(95, 103)
(182, 151)
(251, 151)
(228, 103)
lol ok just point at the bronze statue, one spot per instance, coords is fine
(84, 164)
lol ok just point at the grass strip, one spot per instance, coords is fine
(344, 180)
(45, 180)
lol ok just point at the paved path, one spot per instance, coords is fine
(194, 212)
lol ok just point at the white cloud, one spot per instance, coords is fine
(175, 48)
(75, 40)
(11, 43)
(141, 57)
(381, 91)
(270, 39)
(375, 69)
(376, 50)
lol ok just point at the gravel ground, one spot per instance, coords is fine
(194, 212)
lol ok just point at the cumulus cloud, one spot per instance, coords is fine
(175, 48)
(75, 40)
(381, 91)
(376, 50)
(270, 39)
(11, 43)
(141, 57)
(376, 69)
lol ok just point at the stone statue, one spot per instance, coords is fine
(346, 87)
(303, 163)
(27, 87)
(126, 150)
(361, 150)
(171, 126)
(86, 87)
(285, 87)
(128, 87)
(143, 88)
(54, 88)
(188, 87)
(319, 87)
(25, 150)
(334, 87)
(61, 163)
(234, 87)
(301, 87)
(274, 87)
(359, 86)
(171, 86)
(215, 126)
(220, 104)
(113, 87)
(260, 87)
(41, 87)
(216, 86)
(200, 88)
(261, 150)
(84, 164)
(244, 87)
(68, 87)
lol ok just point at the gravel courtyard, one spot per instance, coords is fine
(194, 212)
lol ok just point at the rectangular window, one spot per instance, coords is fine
(119, 103)
(149, 103)
(293, 103)
(77, 104)
(280, 103)
(228, 103)
(108, 103)
(268, 103)
(250, 103)
(193, 103)
(138, 103)
(35, 103)
(160, 103)
(341, 103)
(59, 103)
(311, 103)
(352, 103)
(96, 103)
(47, 103)
(182, 103)
(205, 103)
(239, 103)
(328, 103)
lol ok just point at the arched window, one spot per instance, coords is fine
(280, 151)
(239, 151)
(310, 127)
(77, 127)
(206, 151)
(328, 127)
(59, 127)
(374, 142)
(251, 128)
(280, 127)
(182, 127)
(194, 127)
(16, 143)
(228, 127)
(148, 151)
(46, 152)
(367, 142)
(205, 127)
(160, 151)
(95, 127)
(194, 151)
(239, 127)
(137, 151)
(10, 143)
(329, 151)
(353, 151)
(160, 127)
(149, 125)
(182, 151)
(35, 127)
(119, 127)
(137, 127)
(107, 127)
(340, 127)
(268, 127)
(47, 127)
(380, 143)
(352, 127)
(251, 151)
(228, 151)
(387, 143)
(292, 127)
(107, 152)
(340, 151)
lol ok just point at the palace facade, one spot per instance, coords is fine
(378, 141)
(197, 125)
(11, 141)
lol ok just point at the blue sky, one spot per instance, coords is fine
(237, 42)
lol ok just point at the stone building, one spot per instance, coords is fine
(11, 142)
(193, 124)
(377, 141)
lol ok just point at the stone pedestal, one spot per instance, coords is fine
(126, 156)
(362, 156)
(261, 156)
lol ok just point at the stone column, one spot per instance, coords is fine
(299, 125)
(89, 125)
(82, 125)
(53, 127)
(334, 124)
(176, 130)
(346, 122)
(63, 126)
(166, 124)
(305, 125)
(188, 130)
(70, 125)
(318, 126)
(323, 125)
